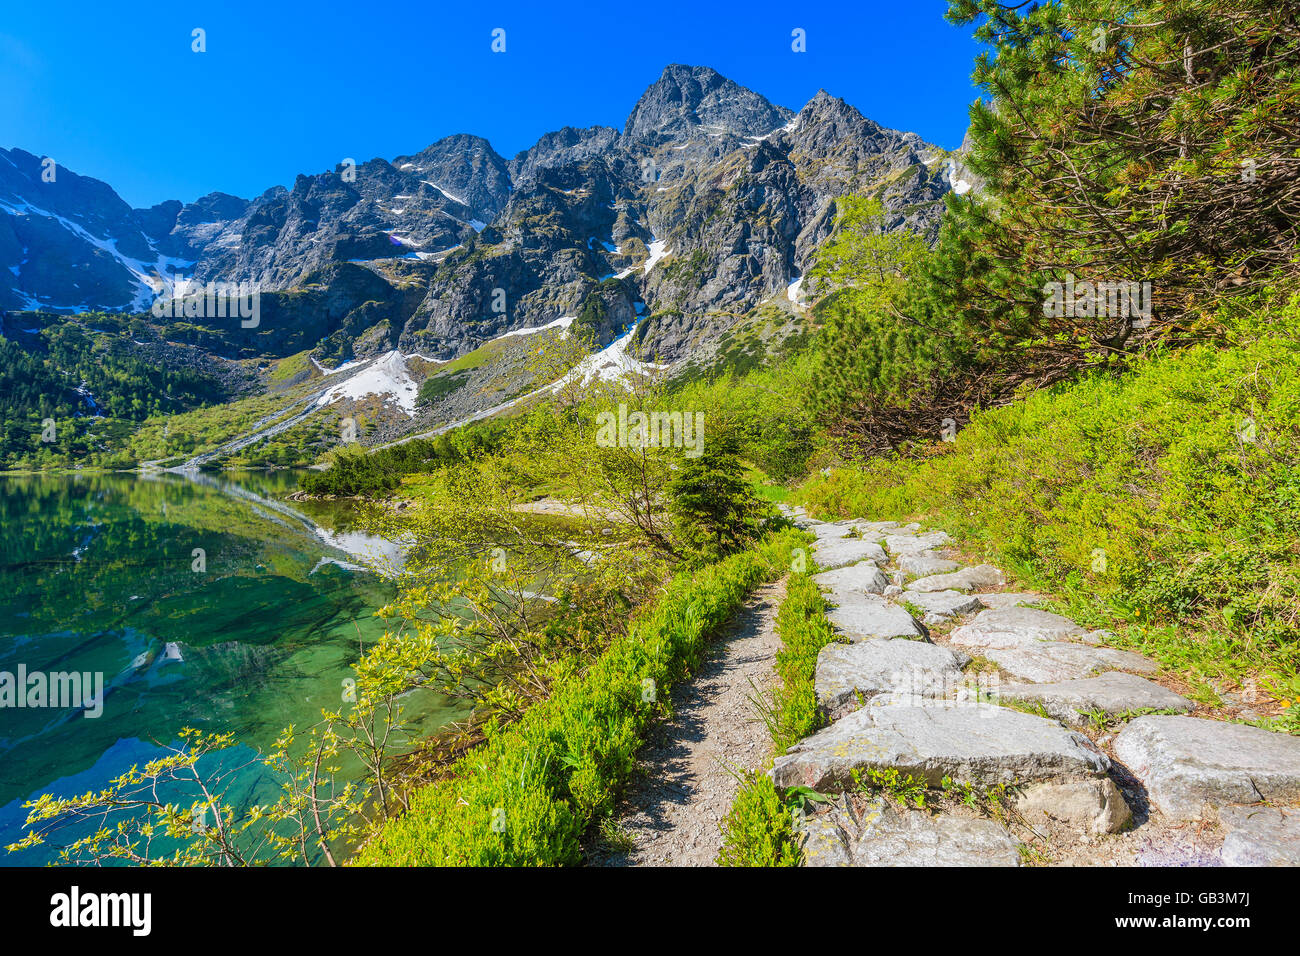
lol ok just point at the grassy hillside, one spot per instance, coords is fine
(1163, 502)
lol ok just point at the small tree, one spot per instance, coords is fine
(713, 503)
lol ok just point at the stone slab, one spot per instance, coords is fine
(1012, 627)
(1112, 693)
(1188, 763)
(967, 579)
(849, 674)
(968, 742)
(1051, 661)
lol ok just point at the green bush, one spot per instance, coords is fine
(1166, 498)
(758, 830)
(804, 630)
(529, 793)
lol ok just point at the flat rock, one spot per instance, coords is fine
(1001, 599)
(969, 742)
(941, 604)
(829, 532)
(850, 673)
(823, 841)
(914, 543)
(861, 578)
(1111, 693)
(876, 527)
(859, 618)
(1051, 661)
(1095, 805)
(894, 837)
(980, 576)
(1188, 762)
(923, 563)
(839, 552)
(1260, 836)
(1010, 626)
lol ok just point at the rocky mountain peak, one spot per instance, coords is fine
(688, 101)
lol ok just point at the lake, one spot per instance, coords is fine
(204, 601)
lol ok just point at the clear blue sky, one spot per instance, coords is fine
(113, 90)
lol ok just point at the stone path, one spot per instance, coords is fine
(945, 676)
(672, 816)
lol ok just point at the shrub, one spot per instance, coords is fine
(526, 797)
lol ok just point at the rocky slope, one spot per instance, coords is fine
(709, 202)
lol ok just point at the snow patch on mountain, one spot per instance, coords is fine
(386, 376)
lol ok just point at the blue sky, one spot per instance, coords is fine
(290, 87)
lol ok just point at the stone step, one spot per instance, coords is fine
(1188, 763)
(940, 606)
(925, 563)
(1001, 599)
(915, 543)
(1260, 836)
(967, 579)
(847, 674)
(838, 552)
(1012, 627)
(1111, 693)
(1051, 661)
(861, 617)
(889, 836)
(861, 578)
(969, 742)
(829, 532)
(866, 528)
(980, 744)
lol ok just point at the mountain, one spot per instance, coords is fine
(708, 203)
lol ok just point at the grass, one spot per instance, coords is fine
(759, 828)
(804, 630)
(529, 795)
(758, 831)
(1162, 504)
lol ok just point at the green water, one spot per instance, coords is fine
(98, 574)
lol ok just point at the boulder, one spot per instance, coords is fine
(1260, 836)
(1187, 763)
(1011, 626)
(859, 618)
(1112, 694)
(1049, 661)
(850, 673)
(980, 576)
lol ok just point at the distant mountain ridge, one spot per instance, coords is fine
(709, 202)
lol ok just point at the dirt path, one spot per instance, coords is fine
(673, 812)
